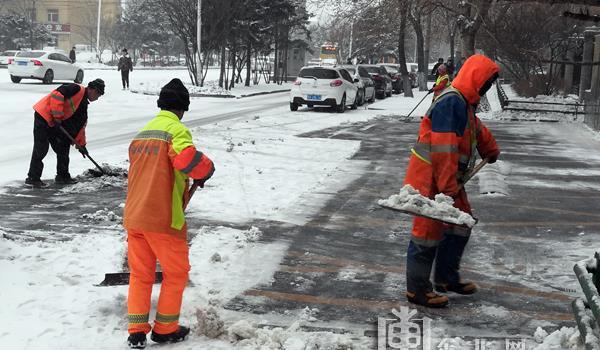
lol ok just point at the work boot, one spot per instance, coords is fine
(64, 180)
(463, 288)
(430, 299)
(175, 337)
(137, 340)
(36, 183)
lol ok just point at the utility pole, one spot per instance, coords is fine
(351, 40)
(98, 31)
(199, 44)
(32, 14)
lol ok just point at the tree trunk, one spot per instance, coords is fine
(248, 59)
(468, 43)
(222, 73)
(401, 49)
(233, 54)
(427, 49)
(421, 58)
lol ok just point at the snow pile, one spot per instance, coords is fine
(111, 170)
(102, 215)
(441, 208)
(247, 336)
(562, 339)
(211, 88)
(94, 184)
(210, 323)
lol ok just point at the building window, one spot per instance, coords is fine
(53, 15)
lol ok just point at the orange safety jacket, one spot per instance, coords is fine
(162, 159)
(450, 135)
(56, 106)
(441, 83)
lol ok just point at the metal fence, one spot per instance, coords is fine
(587, 311)
(592, 113)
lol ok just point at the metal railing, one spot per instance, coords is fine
(587, 311)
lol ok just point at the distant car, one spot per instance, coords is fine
(383, 82)
(46, 66)
(393, 70)
(324, 86)
(365, 85)
(6, 57)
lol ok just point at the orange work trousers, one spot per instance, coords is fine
(144, 248)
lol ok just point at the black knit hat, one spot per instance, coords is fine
(97, 85)
(174, 96)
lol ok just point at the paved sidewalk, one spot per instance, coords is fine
(349, 261)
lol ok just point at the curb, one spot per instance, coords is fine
(218, 96)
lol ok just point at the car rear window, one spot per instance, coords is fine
(373, 69)
(319, 73)
(31, 54)
(390, 69)
(350, 70)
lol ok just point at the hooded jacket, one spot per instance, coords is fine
(450, 135)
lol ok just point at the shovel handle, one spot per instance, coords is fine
(473, 172)
(87, 155)
(192, 191)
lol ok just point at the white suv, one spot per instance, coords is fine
(324, 86)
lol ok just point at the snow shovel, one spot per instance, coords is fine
(86, 154)
(469, 176)
(418, 104)
(122, 278)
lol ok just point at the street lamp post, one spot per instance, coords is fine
(98, 32)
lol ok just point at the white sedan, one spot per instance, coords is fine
(6, 57)
(324, 86)
(44, 65)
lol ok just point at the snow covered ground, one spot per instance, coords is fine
(264, 171)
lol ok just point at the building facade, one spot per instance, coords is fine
(72, 22)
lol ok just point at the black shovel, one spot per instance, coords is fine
(85, 154)
(122, 278)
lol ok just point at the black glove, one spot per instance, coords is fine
(82, 150)
(201, 182)
(493, 158)
(431, 90)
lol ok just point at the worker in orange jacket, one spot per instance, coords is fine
(162, 160)
(64, 107)
(442, 81)
(450, 137)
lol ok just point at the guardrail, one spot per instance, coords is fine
(587, 312)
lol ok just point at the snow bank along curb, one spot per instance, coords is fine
(218, 95)
(441, 208)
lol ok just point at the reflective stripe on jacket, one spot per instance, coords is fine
(55, 106)
(442, 82)
(449, 135)
(162, 157)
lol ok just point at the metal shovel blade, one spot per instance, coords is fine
(421, 215)
(122, 279)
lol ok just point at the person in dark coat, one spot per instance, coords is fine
(125, 66)
(72, 55)
(450, 67)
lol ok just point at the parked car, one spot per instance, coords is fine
(383, 82)
(46, 66)
(365, 85)
(393, 70)
(6, 57)
(324, 86)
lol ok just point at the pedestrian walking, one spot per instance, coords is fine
(73, 55)
(434, 71)
(162, 160)
(450, 135)
(67, 108)
(442, 81)
(125, 66)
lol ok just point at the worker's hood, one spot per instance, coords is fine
(473, 75)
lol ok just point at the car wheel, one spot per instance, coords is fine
(48, 77)
(361, 97)
(355, 103)
(389, 93)
(341, 108)
(14, 79)
(293, 106)
(79, 77)
(372, 97)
